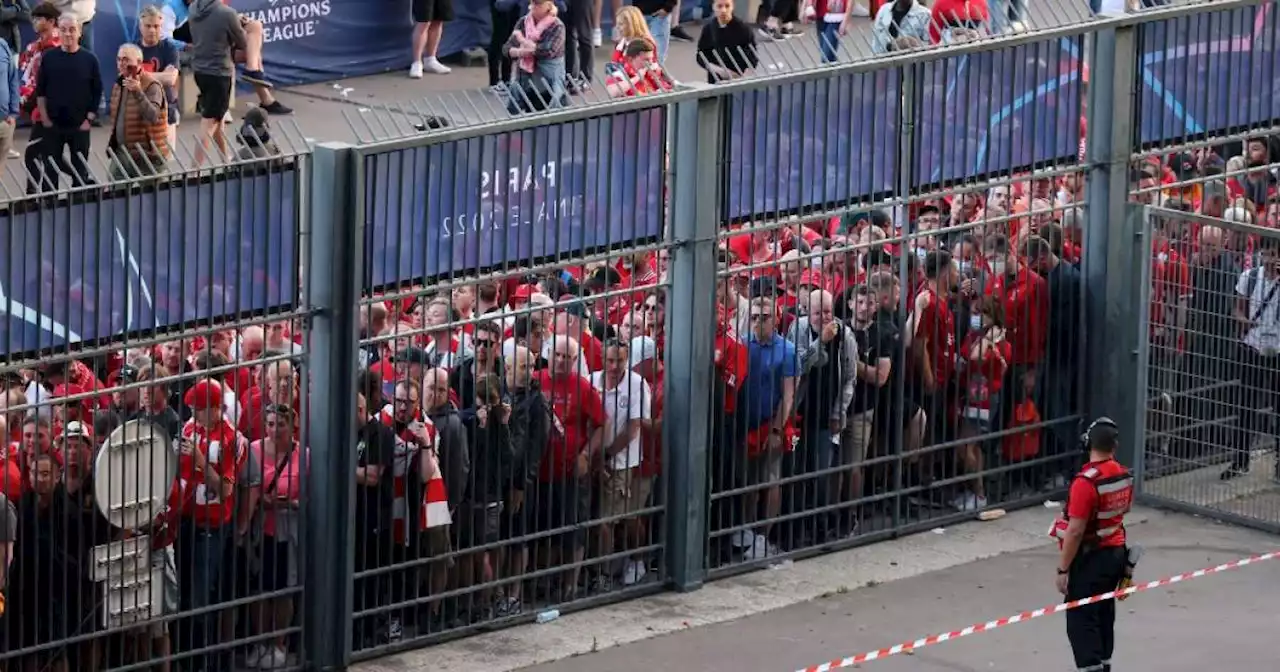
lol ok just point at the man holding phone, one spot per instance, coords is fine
(139, 118)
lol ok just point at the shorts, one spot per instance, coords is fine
(624, 492)
(558, 505)
(764, 468)
(435, 542)
(476, 524)
(856, 437)
(427, 11)
(163, 560)
(514, 524)
(215, 95)
(279, 565)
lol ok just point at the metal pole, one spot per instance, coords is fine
(902, 186)
(696, 149)
(334, 274)
(1112, 244)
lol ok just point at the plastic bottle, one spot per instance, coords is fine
(547, 616)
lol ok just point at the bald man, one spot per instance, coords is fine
(828, 355)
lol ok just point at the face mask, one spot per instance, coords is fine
(975, 322)
(999, 266)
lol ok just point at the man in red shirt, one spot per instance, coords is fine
(572, 321)
(1024, 295)
(575, 440)
(931, 329)
(211, 454)
(639, 74)
(1094, 555)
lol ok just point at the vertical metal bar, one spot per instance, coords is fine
(1142, 227)
(695, 216)
(907, 165)
(1109, 244)
(337, 251)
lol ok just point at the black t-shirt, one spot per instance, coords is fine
(376, 446)
(879, 340)
(168, 420)
(884, 332)
(731, 46)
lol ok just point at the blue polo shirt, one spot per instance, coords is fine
(768, 364)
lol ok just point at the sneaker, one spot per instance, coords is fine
(256, 78)
(634, 573)
(601, 584)
(277, 109)
(791, 30)
(395, 631)
(1233, 472)
(597, 37)
(969, 502)
(415, 70)
(768, 34)
(254, 658)
(274, 659)
(15, 154)
(507, 606)
(679, 33)
(743, 539)
(762, 549)
(432, 65)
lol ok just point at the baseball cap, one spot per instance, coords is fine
(204, 395)
(76, 430)
(523, 292)
(643, 349)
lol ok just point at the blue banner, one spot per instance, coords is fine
(811, 144)
(512, 198)
(998, 111)
(1209, 72)
(78, 272)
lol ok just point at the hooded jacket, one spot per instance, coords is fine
(455, 456)
(215, 33)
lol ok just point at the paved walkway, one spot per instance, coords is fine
(1222, 622)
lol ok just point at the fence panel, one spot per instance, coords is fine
(1211, 372)
(511, 377)
(154, 339)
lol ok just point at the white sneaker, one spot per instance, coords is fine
(743, 539)
(597, 37)
(15, 154)
(415, 70)
(970, 502)
(256, 654)
(274, 659)
(634, 572)
(432, 65)
(761, 549)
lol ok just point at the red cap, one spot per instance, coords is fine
(67, 390)
(523, 293)
(204, 395)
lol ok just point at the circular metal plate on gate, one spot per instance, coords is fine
(133, 474)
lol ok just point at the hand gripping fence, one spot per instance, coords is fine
(908, 647)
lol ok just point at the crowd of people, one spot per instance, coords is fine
(55, 87)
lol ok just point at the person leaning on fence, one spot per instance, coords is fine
(639, 74)
(537, 47)
(139, 116)
(68, 88)
(899, 25)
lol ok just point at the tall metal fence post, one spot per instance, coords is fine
(904, 180)
(696, 147)
(1112, 242)
(336, 247)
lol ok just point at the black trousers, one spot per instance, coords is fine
(579, 54)
(45, 158)
(1260, 402)
(504, 23)
(1092, 629)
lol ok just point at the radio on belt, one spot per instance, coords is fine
(133, 474)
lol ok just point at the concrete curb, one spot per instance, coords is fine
(733, 598)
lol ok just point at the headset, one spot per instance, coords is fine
(1102, 421)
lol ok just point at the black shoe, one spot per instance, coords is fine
(277, 108)
(679, 33)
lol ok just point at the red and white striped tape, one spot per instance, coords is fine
(908, 647)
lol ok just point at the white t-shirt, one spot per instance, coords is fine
(629, 401)
(1265, 337)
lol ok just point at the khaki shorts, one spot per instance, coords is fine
(624, 491)
(856, 438)
(764, 468)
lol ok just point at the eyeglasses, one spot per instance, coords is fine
(482, 342)
(760, 317)
(404, 402)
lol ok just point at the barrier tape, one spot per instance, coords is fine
(909, 647)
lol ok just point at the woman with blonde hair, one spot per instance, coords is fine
(630, 25)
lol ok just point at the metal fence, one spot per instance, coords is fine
(494, 371)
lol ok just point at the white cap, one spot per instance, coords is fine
(642, 350)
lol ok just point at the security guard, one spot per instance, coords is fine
(1091, 534)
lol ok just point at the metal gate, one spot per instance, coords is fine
(1209, 364)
